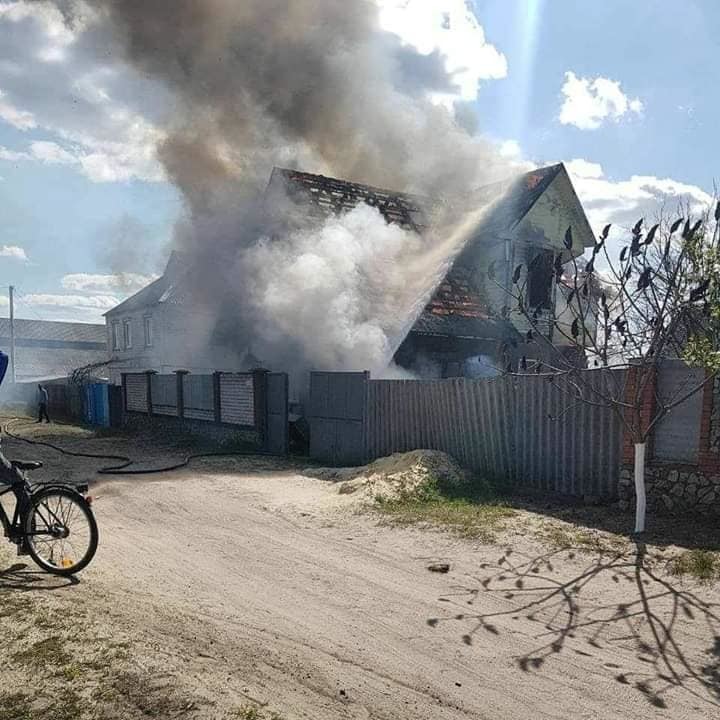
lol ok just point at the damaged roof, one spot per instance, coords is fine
(456, 309)
(332, 196)
(515, 198)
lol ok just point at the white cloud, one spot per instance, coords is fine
(450, 27)
(623, 202)
(588, 102)
(12, 155)
(92, 302)
(21, 119)
(121, 283)
(14, 252)
(510, 149)
(51, 153)
(580, 168)
(89, 111)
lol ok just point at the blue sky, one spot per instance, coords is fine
(621, 91)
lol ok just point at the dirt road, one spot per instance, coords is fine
(269, 586)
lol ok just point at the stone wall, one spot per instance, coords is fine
(673, 489)
(714, 434)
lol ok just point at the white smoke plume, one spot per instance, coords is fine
(314, 85)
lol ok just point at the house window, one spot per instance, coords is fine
(539, 280)
(116, 335)
(127, 333)
(148, 326)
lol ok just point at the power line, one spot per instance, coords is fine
(26, 303)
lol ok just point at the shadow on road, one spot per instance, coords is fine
(581, 614)
(20, 576)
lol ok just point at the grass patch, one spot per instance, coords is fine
(703, 565)
(50, 651)
(21, 706)
(71, 672)
(569, 537)
(13, 606)
(15, 706)
(152, 696)
(251, 712)
(470, 509)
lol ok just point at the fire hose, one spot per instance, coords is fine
(124, 463)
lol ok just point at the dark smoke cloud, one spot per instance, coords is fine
(265, 81)
(315, 85)
(416, 74)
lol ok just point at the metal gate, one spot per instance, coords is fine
(338, 417)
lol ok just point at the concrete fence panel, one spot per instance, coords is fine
(251, 407)
(136, 395)
(199, 398)
(237, 403)
(164, 394)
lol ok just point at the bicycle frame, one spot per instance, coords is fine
(14, 530)
(11, 529)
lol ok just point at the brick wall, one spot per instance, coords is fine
(677, 487)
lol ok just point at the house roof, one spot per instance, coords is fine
(47, 349)
(50, 330)
(456, 309)
(331, 196)
(156, 291)
(32, 364)
(515, 198)
(149, 295)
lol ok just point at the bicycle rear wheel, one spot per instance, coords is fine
(61, 534)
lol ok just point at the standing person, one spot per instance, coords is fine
(43, 404)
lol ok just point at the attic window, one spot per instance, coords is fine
(539, 280)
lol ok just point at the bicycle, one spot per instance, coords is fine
(53, 523)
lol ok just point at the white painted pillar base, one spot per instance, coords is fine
(640, 487)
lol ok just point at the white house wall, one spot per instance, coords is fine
(181, 341)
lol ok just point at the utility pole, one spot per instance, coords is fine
(12, 333)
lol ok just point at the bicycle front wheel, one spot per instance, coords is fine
(61, 534)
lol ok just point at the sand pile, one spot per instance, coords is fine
(391, 476)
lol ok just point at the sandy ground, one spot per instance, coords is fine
(245, 581)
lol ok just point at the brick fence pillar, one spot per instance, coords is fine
(709, 450)
(123, 383)
(217, 402)
(260, 403)
(180, 392)
(148, 375)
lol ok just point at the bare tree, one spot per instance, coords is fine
(658, 298)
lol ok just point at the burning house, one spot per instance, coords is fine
(466, 325)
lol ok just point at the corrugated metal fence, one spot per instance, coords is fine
(524, 429)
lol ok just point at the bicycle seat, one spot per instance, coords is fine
(26, 464)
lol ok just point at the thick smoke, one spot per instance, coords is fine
(313, 85)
